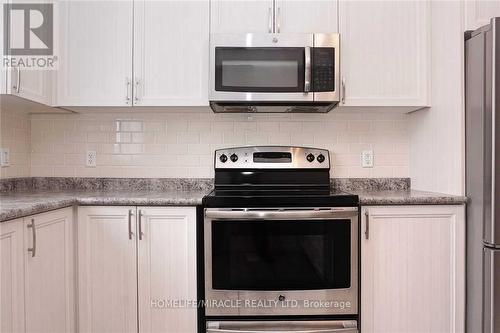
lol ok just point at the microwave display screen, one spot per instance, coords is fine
(259, 69)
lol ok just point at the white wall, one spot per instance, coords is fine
(181, 144)
(437, 134)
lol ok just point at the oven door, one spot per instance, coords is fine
(281, 261)
(260, 67)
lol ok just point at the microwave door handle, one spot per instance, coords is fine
(307, 70)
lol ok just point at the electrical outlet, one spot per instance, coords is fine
(367, 158)
(91, 159)
(4, 157)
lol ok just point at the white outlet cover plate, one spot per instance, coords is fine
(367, 158)
(4, 157)
(91, 160)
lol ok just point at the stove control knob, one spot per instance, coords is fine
(234, 157)
(310, 157)
(223, 158)
(321, 158)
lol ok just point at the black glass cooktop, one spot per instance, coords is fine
(279, 197)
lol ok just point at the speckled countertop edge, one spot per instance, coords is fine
(407, 197)
(55, 193)
(21, 204)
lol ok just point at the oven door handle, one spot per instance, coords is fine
(281, 214)
(271, 327)
(333, 330)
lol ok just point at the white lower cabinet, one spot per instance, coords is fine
(107, 272)
(413, 269)
(38, 251)
(11, 276)
(121, 249)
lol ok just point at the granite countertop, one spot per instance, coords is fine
(27, 196)
(406, 197)
(20, 204)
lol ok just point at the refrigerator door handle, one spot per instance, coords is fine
(495, 133)
(491, 230)
(491, 297)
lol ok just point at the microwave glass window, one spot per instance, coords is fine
(259, 69)
(260, 73)
(281, 255)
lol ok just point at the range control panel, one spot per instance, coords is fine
(272, 157)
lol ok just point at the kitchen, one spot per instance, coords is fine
(174, 172)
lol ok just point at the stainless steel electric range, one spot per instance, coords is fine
(279, 244)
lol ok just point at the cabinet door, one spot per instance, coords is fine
(31, 84)
(11, 277)
(480, 12)
(385, 52)
(49, 272)
(107, 271)
(24, 81)
(241, 16)
(167, 269)
(171, 52)
(3, 72)
(306, 16)
(413, 269)
(95, 67)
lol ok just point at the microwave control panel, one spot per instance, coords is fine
(323, 68)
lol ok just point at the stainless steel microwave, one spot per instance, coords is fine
(274, 72)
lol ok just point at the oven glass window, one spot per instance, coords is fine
(259, 69)
(281, 255)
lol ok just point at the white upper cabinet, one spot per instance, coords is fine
(167, 268)
(480, 12)
(241, 16)
(124, 53)
(3, 72)
(413, 269)
(11, 276)
(171, 53)
(268, 16)
(296, 16)
(95, 67)
(385, 50)
(32, 84)
(49, 272)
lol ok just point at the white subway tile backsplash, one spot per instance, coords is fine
(173, 144)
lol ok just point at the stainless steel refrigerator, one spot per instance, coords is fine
(482, 112)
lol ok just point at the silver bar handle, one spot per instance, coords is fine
(284, 327)
(278, 20)
(270, 23)
(136, 91)
(17, 86)
(307, 71)
(367, 224)
(280, 214)
(343, 90)
(334, 330)
(130, 233)
(127, 86)
(140, 224)
(33, 234)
